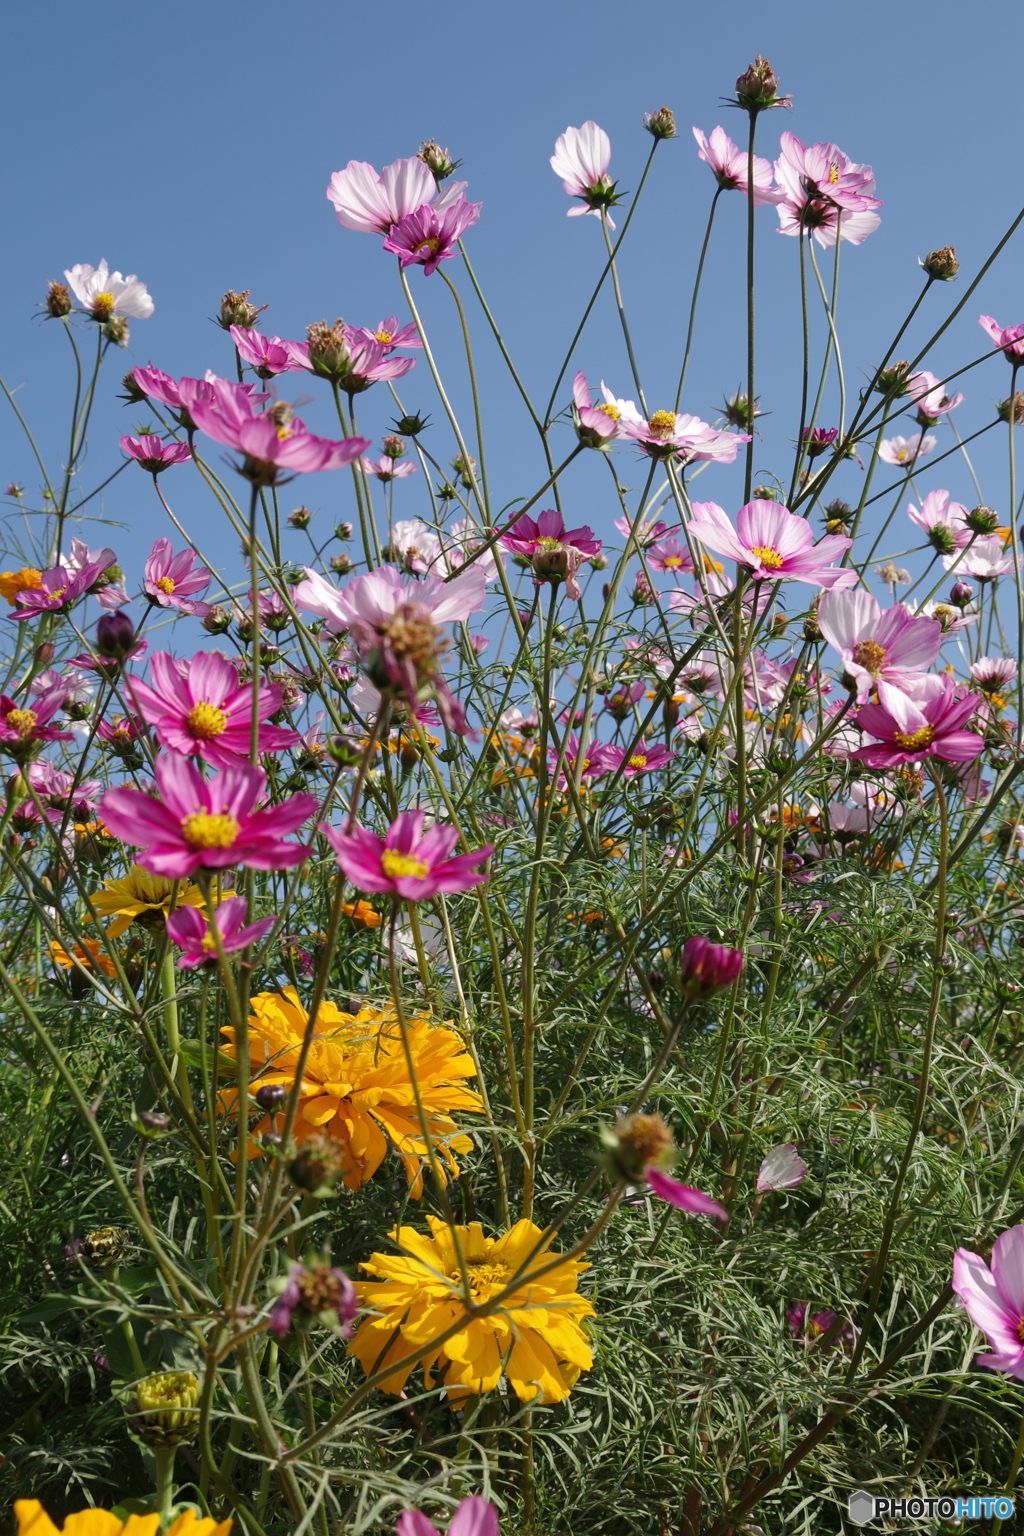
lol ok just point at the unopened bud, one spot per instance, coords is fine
(393, 447)
(893, 380)
(132, 393)
(661, 124)
(812, 630)
(43, 653)
(1004, 408)
(116, 331)
(960, 594)
(58, 300)
(942, 264)
(598, 562)
(982, 520)
(341, 565)
(235, 309)
(317, 1167)
(115, 636)
(763, 493)
(153, 1121)
(271, 1096)
(706, 968)
(300, 518)
(104, 1247)
(217, 621)
(343, 530)
(410, 425)
(167, 1409)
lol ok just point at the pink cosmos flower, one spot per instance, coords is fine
(104, 293)
(773, 544)
(1010, 338)
(952, 619)
(154, 454)
(781, 1168)
(706, 968)
(644, 759)
(668, 435)
(994, 1299)
(386, 469)
(554, 551)
(944, 521)
(429, 235)
(179, 394)
(581, 158)
(407, 862)
(23, 729)
(596, 425)
(196, 823)
(619, 703)
(670, 555)
(683, 1196)
(879, 649)
(992, 673)
(906, 450)
(171, 579)
(189, 929)
(986, 559)
(371, 203)
(415, 546)
(269, 355)
(61, 587)
(199, 709)
(910, 730)
(461, 541)
(58, 790)
(823, 190)
(474, 1517)
(122, 733)
(598, 758)
(272, 443)
(647, 531)
(389, 334)
(729, 165)
(929, 394)
(820, 1322)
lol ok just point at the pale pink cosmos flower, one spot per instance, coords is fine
(773, 543)
(199, 709)
(195, 823)
(407, 861)
(986, 559)
(824, 191)
(581, 158)
(371, 203)
(269, 355)
(1010, 338)
(414, 545)
(474, 1517)
(729, 165)
(994, 1299)
(190, 930)
(461, 541)
(782, 1168)
(648, 531)
(952, 618)
(670, 555)
(154, 454)
(620, 701)
(596, 425)
(554, 551)
(929, 395)
(911, 730)
(906, 450)
(992, 673)
(171, 580)
(943, 520)
(385, 469)
(669, 435)
(430, 234)
(879, 649)
(272, 443)
(104, 293)
(389, 334)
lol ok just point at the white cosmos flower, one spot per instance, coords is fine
(104, 293)
(782, 1168)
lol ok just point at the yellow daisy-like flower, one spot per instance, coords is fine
(356, 1087)
(535, 1337)
(34, 1521)
(143, 898)
(91, 957)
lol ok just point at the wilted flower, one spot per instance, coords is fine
(942, 263)
(638, 1148)
(661, 124)
(235, 309)
(757, 89)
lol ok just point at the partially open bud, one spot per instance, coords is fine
(319, 1293)
(661, 124)
(116, 331)
(167, 1409)
(764, 493)
(636, 1142)
(465, 468)
(812, 630)
(706, 968)
(152, 1122)
(317, 1167)
(217, 621)
(115, 636)
(982, 520)
(132, 393)
(300, 518)
(960, 594)
(437, 160)
(328, 349)
(393, 447)
(58, 300)
(757, 89)
(104, 1247)
(343, 530)
(942, 264)
(738, 412)
(235, 309)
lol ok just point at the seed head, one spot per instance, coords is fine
(316, 1168)
(1004, 408)
(661, 124)
(893, 380)
(58, 300)
(757, 89)
(942, 264)
(328, 349)
(637, 1142)
(300, 517)
(235, 309)
(437, 160)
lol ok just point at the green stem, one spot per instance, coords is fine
(164, 1458)
(748, 475)
(696, 291)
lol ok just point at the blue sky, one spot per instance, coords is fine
(193, 148)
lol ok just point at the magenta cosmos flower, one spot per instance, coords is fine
(154, 454)
(429, 235)
(388, 333)
(554, 551)
(781, 1168)
(371, 203)
(172, 579)
(879, 649)
(994, 1299)
(929, 395)
(23, 730)
(273, 443)
(773, 544)
(729, 165)
(199, 709)
(366, 363)
(474, 1517)
(683, 1196)
(407, 862)
(910, 730)
(190, 930)
(706, 968)
(644, 759)
(104, 293)
(669, 435)
(180, 394)
(590, 762)
(269, 355)
(1010, 338)
(61, 587)
(824, 191)
(199, 823)
(581, 158)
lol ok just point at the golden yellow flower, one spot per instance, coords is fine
(362, 914)
(93, 960)
(356, 1088)
(535, 1336)
(26, 580)
(34, 1521)
(143, 898)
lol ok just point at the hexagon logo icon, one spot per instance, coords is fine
(861, 1507)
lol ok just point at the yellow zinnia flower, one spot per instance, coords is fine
(34, 1521)
(143, 898)
(535, 1336)
(356, 1088)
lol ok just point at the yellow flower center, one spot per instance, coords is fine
(662, 424)
(432, 244)
(484, 1277)
(21, 720)
(165, 584)
(206, 721)
(208, 829)
(398, 866)
(671, 562)
(713, 565)
(638, 760)
(206, 943)
(769, 557)
(870, 655)
(103, 304)
(611, 410)
(383, 337)
(284, 433)
(915, 739)
(58, 592)
(946, 616)
(548, 543)
(833, 174)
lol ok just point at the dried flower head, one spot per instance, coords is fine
(757, 89)
(942, 264)
(437, 160)
(235, 309)
(58, 300)
(661, 124)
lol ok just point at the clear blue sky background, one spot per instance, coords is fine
(192, 146)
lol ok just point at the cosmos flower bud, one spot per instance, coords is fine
(393, 447)
(104, 1247)
(763, 493)
(167, 1408)
(271, 1096)
(893, 380)
(982, 520)
(43, 653)
(465, 468)
(235, 309)
(58, 300)
(341, 565)
(1005, 407)
(115, 636)
(316, 1168)
(706, 968)
(343, 530)
(437, 160)
(942, 264)
(132, 393)
(960, 594)
(217, 621)
(317, 1293)
(116, 331)
(757, 89)
(643, 594)
(637, 1142)
(410, 425)
(300, 517)
(738, 412)
(661, 124)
